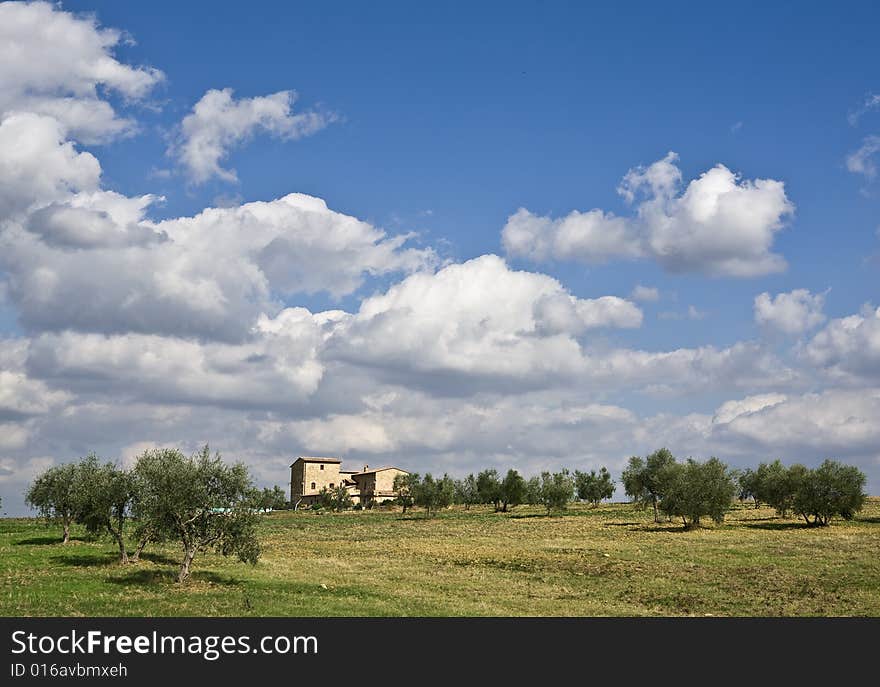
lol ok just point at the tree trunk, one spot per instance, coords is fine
(66, 524)
(189, 553)
(117, 535)
(123, 554)
(141, 545)
(656, 515)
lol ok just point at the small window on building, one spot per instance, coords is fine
(322, 467)
(313, 485)
(331, 485)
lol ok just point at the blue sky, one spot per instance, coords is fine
(445, 121)
(471, 112)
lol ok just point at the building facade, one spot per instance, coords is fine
(309, 475)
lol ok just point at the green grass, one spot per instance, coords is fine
(610, 560)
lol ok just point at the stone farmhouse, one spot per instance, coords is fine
(310, 474)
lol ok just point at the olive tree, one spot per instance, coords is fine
(511, 491)
(533, 491)
(776, 485)
(644, 479)
(103, 498)
(337, 499)
(594, 487)
(557, 490)
(489, 487)
(201, 502)
(52, 495)
(272, 499)
(146, 529)
(747, 481)
(433, 494)
(403, 488)
(693, 490)
(466, 492)
(829, 490)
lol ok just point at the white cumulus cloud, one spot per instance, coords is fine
(219, 122)
(279, 366)
(479, 318)
(720, 224)
(848, 348)
(53, 63)
(791, 313)
(37, 164)
(810, 427)
(208, 276)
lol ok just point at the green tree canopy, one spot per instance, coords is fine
(830, 490)
(747, 481)
(594, 487)
(776, 485)
(272, 499)
(512, 490)
(693, 490)
(489, 487)
(466, 492)
(433, 494)
(103, 498)
(403, 486)
(337, 499)
(533, 491)
(644, 479)
(201, 502)
(557, 490)
(52, 495)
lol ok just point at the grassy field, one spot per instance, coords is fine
(610, 560)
